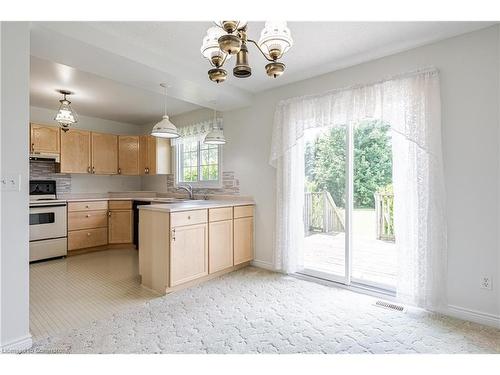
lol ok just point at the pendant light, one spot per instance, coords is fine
(165, 129)
(65, 116)
(216, 135)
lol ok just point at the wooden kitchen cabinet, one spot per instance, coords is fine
(44, 139)
(87, 224)
(120, 226)
(188, 252)
(128, 155)
(121, 222)
(243, 234)
(220, 239)
(75, 151)
(104, 153)
(154, 155)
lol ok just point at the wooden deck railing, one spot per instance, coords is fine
(321, 214)
(384, 214)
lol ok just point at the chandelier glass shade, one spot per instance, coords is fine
(165, 128)
(230, 38)
(65, 116)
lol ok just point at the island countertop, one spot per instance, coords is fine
(196, 205)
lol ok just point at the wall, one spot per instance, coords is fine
(79, 183)
(469, 69)
(14, 253)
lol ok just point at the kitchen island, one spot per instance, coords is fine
(185, 243)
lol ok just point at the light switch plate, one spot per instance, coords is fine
(11, 182)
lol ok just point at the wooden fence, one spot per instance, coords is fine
(321, 214)
(384, 214)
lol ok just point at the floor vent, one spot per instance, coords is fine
(388, 305)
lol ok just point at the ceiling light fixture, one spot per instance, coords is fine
(230, 38)
(216, 135)
(165, 128)
(65, 116)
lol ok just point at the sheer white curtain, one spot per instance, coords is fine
(410, 103)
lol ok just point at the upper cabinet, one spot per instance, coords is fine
(128, 155)
(104, 153)
(44, 139)
(154, 155)
(83, 151)
(76, 151)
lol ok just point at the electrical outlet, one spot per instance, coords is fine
(486, 283)
(11, 183)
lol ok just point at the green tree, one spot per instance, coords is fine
(325, 162)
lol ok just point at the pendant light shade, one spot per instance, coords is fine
(216, 135)
(66, 116)
(165, 128)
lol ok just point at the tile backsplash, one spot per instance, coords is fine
(46, 170)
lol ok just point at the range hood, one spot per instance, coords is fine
(39, 156)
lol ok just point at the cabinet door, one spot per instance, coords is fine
(75, 151)
(128, 155)
(243, 240)
(163, 156)
(143, 154)
(120, 226)
(220, 245)
(151, 155)
(188, 253)
(104, 153)
(45, 139)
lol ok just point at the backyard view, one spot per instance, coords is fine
(373, 251)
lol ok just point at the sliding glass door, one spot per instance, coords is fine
(348, 205)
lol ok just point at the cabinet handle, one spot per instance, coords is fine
(109, 213)
(88, 234)
(119, 171)
(173, 234)
(89, 170)
(32, 147)
(88, 215)
(93, 170)
(86, 206)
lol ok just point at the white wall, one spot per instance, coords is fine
(82, 183)
(14, 118)
(469, 69)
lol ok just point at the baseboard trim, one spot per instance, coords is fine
(18, 345)
(475, 316)
(262, 264)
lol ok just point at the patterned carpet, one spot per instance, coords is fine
(255, 311)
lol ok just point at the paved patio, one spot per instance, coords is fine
(373, 260)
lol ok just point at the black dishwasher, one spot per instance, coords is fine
(136, 220)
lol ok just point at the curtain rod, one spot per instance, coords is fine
(408, 74)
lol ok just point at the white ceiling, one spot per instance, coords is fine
(98, 96)
(117, 66)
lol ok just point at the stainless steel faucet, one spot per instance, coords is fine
(188, 188)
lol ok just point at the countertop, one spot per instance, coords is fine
(196, 205)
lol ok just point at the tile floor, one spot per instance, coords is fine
(72, 292)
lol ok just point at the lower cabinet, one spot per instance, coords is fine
(120, 226)
(220, 244)
(81, 239)
(188, 253)
(243, 239)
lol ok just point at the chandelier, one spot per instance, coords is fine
(229, 38)
(65, 116)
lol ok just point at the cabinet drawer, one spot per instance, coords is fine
(120, 205)
(178, 219)
(219, 214)
(81, 239)
(243, 211)
(87, 206)
(87, 219)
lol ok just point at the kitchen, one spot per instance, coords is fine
(87, 197)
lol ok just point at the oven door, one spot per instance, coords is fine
(47, 222)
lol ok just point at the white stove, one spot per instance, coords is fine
(48, 221)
